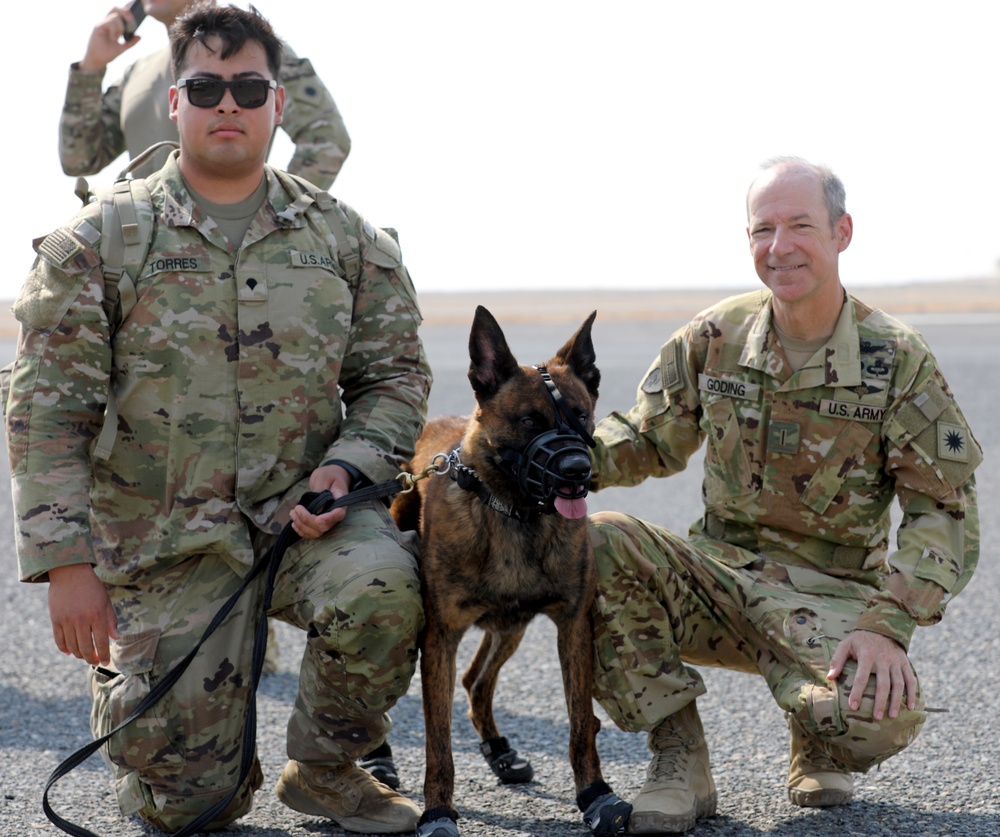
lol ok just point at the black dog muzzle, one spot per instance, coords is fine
(555, 463)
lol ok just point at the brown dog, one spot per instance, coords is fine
(504, 537)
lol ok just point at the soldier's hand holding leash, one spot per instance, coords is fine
(337, 481)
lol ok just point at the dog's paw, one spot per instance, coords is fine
(443, 827)
(607, 815)
(438, 822)
(504, 761)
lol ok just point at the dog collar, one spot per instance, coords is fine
(468, 480)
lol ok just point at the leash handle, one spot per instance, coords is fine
(317, 503)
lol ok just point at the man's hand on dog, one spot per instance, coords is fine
(330, 478)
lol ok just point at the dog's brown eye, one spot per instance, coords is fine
(528, 421)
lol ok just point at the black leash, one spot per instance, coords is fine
(315, 503)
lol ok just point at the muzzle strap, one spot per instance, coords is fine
(574, 423)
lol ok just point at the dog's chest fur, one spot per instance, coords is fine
(513, 569)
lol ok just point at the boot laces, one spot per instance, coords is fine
(670, 754)
(816, 758)
(350, 783)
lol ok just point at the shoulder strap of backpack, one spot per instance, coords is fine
(348, 256)
(126, 234)
(127, 230)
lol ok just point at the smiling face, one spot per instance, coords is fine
(794, 245)
(225, 141)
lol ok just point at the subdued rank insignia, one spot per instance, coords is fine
(783, 437)
(654, 382)
(953, 442)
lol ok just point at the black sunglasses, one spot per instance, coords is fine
(208, 92)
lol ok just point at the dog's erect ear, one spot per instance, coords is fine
(492, 362)
(578, 353)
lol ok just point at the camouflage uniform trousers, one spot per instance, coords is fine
(663, 601)
(355, 592)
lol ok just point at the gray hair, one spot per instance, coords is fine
(834, 194)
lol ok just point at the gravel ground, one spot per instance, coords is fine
(946, 783)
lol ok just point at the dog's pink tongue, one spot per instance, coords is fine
(571, 508)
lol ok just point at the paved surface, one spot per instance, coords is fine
(946, 783)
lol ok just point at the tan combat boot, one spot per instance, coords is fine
(679, 787)
(347, 795)
(814, 779)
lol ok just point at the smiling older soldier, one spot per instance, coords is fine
(818, 411)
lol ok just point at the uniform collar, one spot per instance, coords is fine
(842, 352)
(181, 210)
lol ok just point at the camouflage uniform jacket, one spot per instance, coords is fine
(235, 375)
(134, 113)
(802, 468)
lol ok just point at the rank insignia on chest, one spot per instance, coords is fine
(953, 442)
(783, 437)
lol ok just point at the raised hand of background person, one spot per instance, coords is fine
(105, 43)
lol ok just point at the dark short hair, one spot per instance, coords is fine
(233, 26)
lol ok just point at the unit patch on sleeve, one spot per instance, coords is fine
(953, 442)
(654, 381)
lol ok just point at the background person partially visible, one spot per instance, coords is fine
(134, 113)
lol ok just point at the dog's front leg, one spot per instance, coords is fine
(575, 642)
(437, 674)
(603, 812)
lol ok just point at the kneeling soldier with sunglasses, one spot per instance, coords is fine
(268, 351)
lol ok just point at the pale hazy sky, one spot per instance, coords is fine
(587, 144)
